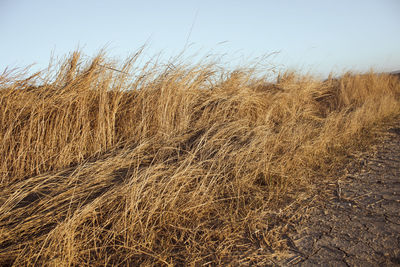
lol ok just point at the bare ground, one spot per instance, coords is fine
(356, 221)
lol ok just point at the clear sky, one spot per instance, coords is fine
(317, 36)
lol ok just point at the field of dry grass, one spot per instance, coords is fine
(170, 164)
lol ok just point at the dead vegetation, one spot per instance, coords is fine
(170, 165)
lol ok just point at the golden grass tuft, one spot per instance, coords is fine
(170, 165)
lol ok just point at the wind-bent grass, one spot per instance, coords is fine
(169, 166)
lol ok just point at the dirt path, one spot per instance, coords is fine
(359, 224)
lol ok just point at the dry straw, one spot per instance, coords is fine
(170, 165)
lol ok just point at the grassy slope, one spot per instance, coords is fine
(182, 164)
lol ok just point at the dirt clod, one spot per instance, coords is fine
(361, 225)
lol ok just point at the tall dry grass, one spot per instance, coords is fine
(170, 165)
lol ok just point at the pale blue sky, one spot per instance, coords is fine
(316, 36)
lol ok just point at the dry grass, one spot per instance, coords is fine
(182, 164)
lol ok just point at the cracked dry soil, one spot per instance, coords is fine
(359, 223)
